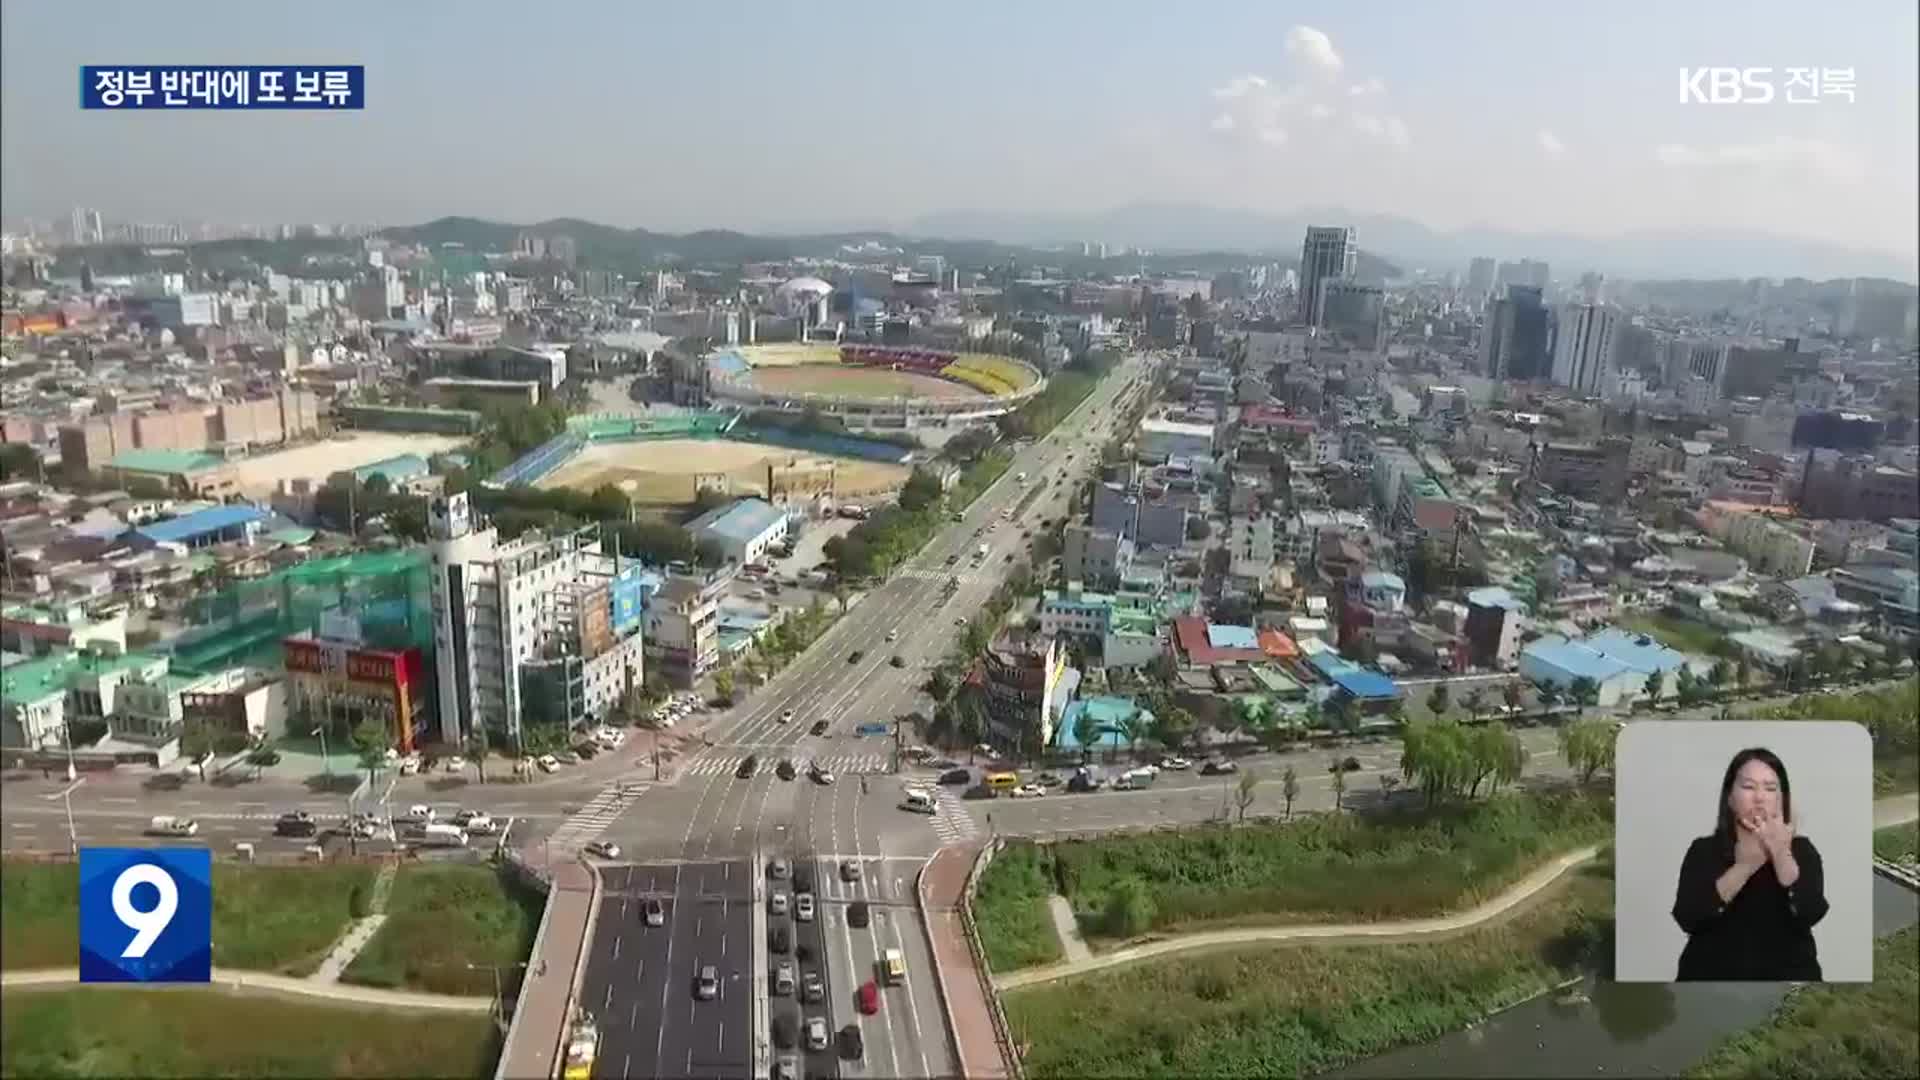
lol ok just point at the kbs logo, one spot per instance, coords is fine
(1757, 85)
(146, 915)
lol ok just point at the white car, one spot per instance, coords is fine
(456, 763)
(549, 763)
(409, 765)
(417, 814)
(173, 826)
(786, 716)
(482, 825)
(1175, 763)
(604, 849)
(1029, 791)
(803, 907)
(893, 635)
(777, 903)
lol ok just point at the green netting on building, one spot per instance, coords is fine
(387, 595)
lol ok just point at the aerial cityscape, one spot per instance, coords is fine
(819, 608)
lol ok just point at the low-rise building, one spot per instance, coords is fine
(744, 530)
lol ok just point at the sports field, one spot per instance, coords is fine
(261, 474)
(662, 473)
(856, 382)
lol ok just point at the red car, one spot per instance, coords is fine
(869, 998)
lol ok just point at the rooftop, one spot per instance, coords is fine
(164, 461)
(200, 523)
(741, 521)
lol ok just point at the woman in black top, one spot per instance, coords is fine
(1751, 893)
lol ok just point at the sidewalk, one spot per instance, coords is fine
(1390, 932)
(1068, 929)
(340, 993)
(540, 1018)
(962, 983)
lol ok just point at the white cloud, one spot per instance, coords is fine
(1256, 109)
(1550, 144)
(1782, 152)
(1315, 49)
(1240, 86)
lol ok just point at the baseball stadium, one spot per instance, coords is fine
(664, 460)
(876, 387)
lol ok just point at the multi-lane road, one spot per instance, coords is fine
(864, 850)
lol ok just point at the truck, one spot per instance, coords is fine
(1135, 779)
(981, 554)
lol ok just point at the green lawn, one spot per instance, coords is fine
(1329, 868)
(267, 918)
(441, 918)
(1837, 1031)
(1897, 843)
(1294, 1010)
(1010, 909)
(1683, 634)
(193, 1032)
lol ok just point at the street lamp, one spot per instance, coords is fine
(66, 796)
(326, 762)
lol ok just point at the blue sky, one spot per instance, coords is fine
(788, 115)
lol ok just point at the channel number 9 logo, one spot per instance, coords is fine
(146, 915)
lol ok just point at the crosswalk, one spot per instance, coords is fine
(954, 823)
(848, 764)
(592, 819)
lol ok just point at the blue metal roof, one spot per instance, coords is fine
(741, 521)
(1574, 659)
(1232, 637)
(1642, 654)
(1366, 685)
(200, 523)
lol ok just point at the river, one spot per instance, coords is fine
(1627, 1029)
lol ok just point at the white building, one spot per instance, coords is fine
(744, 530)
(1584, 352)
(1161, 439)
(522, 629)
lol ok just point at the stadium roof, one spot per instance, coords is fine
(164, 461)
(740, 522)
(200, 523)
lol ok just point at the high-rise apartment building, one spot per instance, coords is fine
(1696, 358)
(1586, 348)
(1516, 337)
(1329, 252)
(1480, 280)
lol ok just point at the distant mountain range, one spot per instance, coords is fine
(1645, 254)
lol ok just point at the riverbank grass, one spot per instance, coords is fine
(1297, 1009)
(1898, 844)
(448, 927)
(265, 918)
(200, 1031)
(1010, 909)
(1406, 864)
(1839, 1030)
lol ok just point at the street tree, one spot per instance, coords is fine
(1475, 703)
(1289, 788)
(723, 684)
(1512, 694)
(1243, 794)
(1439, 700)
(1339, 784)
(1656, 682)
(262, 757)
(1435, 755)
(370, 742)
(1588, 746)
(1583, 691)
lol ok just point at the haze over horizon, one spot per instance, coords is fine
(793, 117)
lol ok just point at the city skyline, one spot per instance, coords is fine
(1567, 123)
